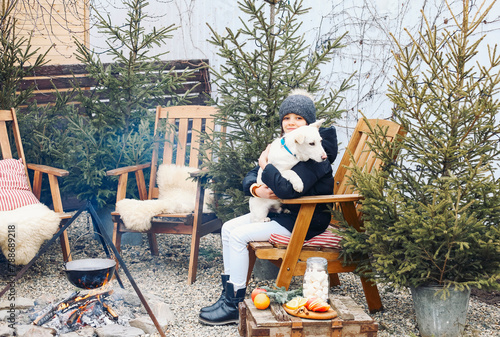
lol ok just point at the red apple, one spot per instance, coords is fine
(257, 291)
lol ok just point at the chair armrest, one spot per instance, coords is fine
(123, 172)
(198, 173)
(127, 169)
(52, 173)
(48, 169)
(323, 199)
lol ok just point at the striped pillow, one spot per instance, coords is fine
(15, 191)
(326, 239)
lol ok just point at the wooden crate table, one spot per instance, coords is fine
(351, 321)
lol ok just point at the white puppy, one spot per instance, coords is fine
(301, 144)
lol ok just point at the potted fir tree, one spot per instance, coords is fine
(432, 214)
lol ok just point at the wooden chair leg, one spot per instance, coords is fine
(117, 237)
(117, 241)
(372, 296)
(251, 263)
(153, 244)
(193, 258)
(66, 253)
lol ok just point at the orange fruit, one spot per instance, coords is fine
(261, 301)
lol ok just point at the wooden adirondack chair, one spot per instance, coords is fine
(291, 258)
(190, 119)
(9, 127)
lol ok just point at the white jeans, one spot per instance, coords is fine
(236, 234)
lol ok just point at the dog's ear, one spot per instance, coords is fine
(300, 138)
(318, 123)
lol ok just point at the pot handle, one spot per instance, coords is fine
(93, 233)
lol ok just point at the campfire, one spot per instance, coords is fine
(91, 309)
(76, 311)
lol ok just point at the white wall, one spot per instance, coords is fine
(369, 24)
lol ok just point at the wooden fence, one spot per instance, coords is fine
(51, 78)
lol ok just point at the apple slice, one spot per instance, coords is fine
(317, 304)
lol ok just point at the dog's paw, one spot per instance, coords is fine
(266, 219)
(298, 186)
(276, 208)
(294, 179)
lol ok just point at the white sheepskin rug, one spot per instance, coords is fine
(177, 194)
(27, 228)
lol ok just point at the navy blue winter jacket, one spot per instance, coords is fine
(317, 179)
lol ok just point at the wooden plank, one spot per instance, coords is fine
(323, 199)
(37, 184)
(350, 214)
(296, 240)
(56, 194)
(195, 139)
(6, 115)
(122, 187)
(41, 83)
(127, 169)
(4, 141)
(49, 170)
(141, 185)
(181, 147)
(270, 254)
(191, 111)
(69, 69)
(59, 69)
(168, 146)
(43, 97)
(49, 85)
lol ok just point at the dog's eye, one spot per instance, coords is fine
(312, 143)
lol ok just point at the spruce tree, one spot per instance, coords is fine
(432, 216)
(263, 62)
(112, 127)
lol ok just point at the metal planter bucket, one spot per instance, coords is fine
(437, 317)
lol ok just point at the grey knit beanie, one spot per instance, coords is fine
(299, 102)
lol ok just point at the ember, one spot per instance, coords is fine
(77, 311)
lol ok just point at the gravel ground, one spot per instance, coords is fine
(165, 276)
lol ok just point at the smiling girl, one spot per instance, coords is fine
(295, 111)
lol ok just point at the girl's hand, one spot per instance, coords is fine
(265, 192)
(263, 157)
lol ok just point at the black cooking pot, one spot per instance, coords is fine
(90, 273)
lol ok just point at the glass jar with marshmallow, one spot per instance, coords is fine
(316, 280)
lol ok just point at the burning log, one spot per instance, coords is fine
(46, 315)
(78, 312)
(74, 301)
(110, 311)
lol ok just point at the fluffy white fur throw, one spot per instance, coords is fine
(177, 194)
(28, 227)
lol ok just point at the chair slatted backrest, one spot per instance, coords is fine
(8, 120)
(181, 148)
(364, 157)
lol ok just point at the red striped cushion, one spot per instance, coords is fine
(326, 239)
(14, 189)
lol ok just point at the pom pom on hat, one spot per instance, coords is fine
(299, 102)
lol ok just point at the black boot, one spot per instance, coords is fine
(228, 311)
(217, 304)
